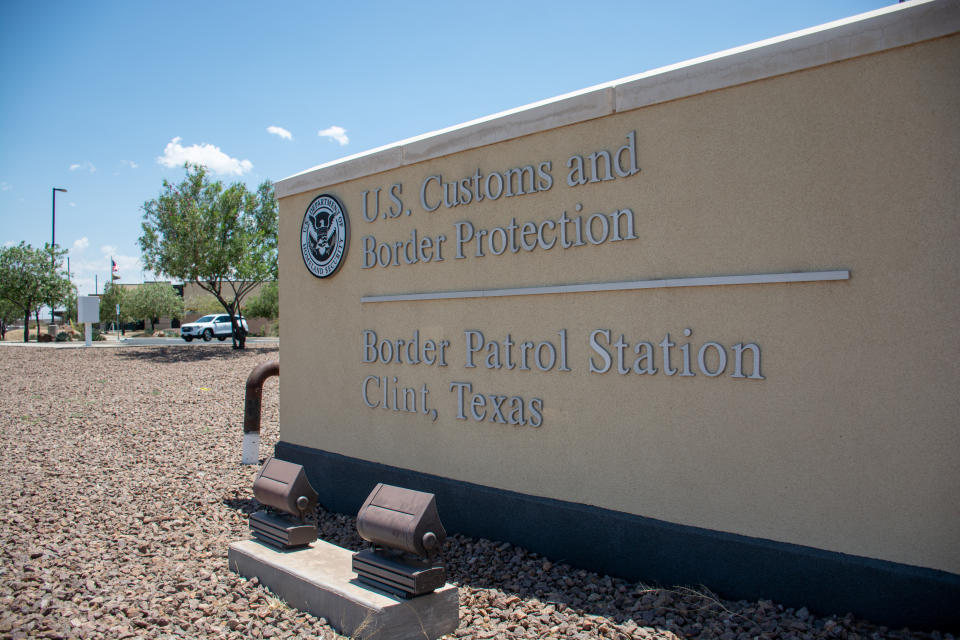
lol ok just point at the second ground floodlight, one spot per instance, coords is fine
(406, 533)
(290, 517)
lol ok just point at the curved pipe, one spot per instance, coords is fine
(251, 409)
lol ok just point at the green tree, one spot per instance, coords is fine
(57, 289)
(203, 304)
(150, 301)
(266, 304)
(222, 238)
(29, 279)
(9, 313)
(70, 307)
(113, 295)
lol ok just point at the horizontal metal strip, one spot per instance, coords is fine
(666, 283)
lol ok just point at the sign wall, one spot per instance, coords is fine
(733, 311)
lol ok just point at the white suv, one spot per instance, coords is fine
(209, 327)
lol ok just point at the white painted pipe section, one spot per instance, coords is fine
(87, 334)
(251, 448)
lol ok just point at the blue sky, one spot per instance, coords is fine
(106, 99)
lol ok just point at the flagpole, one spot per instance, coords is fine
(113, 282)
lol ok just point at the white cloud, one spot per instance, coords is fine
(128, 266)
(73, 204)
(129, 163)
(207, 155)
(8, 243)
(5, 186)
(93, 270)
(85, 166)
(335, 133)
(81, 244)
(83, 284)
(280, 131)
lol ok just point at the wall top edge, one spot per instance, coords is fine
(863, 34)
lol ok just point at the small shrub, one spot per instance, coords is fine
(44, 337)
(270, 330)
(97, 336)
(63, 336)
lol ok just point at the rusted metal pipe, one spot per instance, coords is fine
(251, 410)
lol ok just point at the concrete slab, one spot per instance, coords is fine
(318, 579)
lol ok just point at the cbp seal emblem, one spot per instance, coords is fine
(324, 235)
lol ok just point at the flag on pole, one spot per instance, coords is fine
(114, 270)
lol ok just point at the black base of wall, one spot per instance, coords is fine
(637, 548)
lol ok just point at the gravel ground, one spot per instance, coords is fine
(121, 488)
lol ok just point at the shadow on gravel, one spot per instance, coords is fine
(242, 505)
(608, 602)
(194, 354)
(619, 608)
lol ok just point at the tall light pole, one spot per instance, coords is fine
(53, 238)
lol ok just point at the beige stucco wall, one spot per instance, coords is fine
(850, 442)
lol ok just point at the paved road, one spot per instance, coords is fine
(111, 341)
(181, 341)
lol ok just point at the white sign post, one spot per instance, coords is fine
(88, 312)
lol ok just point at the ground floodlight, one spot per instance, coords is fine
(290, 517)
(406, 533)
